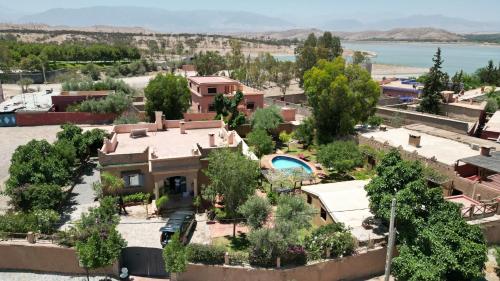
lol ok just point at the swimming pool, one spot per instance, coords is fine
(285, 162)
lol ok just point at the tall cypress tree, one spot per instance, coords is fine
(433, 86)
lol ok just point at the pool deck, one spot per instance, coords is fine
(266, 162)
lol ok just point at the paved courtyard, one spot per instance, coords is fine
(82, 195)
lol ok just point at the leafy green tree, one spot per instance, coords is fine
(236, 61)
(260, 142)
(209, 63)
(305, 132)
(100, 250)
(98, 242)
(256, 211)
(292, 215)
(227, 107)
(340, 156)
(227, 170)
(267, 119)
(39, 162)
(489, 75)
(433, 85)
(314, 49)
(25, 84)
(284, 75)
(375, 121)
(174, 255)
(334, 237)
(167, 93)
(435, 242)
(266, 245)
(36, 197)
(285, 138)
(359, 57)
(340, 96)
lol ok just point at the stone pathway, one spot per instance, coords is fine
(82, 196)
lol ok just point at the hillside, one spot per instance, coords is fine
(398, 34)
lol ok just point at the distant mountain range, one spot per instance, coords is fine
(457, 25)
(397, 34)
(158, 19)
(208, 21)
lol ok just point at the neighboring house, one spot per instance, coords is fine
(445, 155)
(66, 98)
(406, 90)
(166, 157)
(342, 202)
(205, 88)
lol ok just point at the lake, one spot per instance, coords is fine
(468, 57)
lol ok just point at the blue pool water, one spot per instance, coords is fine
(283, 162)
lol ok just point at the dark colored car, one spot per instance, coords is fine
(183, 222)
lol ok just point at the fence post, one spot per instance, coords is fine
(471, 211)
(278, 262)
(226, 258)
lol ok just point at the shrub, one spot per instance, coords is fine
(162, 202)
(265, 246)
(139, 197)
(40, 221)
(238, 258)
(375, 121)
(220, 214)
(331, 236)
(256, 210)
(126, 119)
(294, 255)
(206, 254)
(341, 156)
(37, 197)
(114, 103)
(272, 197)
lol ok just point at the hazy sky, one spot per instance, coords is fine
(487, 10)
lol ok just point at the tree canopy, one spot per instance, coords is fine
(232, 176)
(340, 96)
(260, 142)
(267, 119)
(167, 93)
(209, 63)
(435, 242)
(340, 156)
(314, 49)
(256, 210)
(435, 82)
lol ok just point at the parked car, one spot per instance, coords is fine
(183, 222)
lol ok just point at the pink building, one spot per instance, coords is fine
(204, 88)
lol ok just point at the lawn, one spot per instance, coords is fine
(239, 243)
(295, 149)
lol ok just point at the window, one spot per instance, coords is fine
(211, 107)
(133, 179)
(309, 199)
(323, 214)
(212, 90)
(251, 105)
(198, 89)
(190, 85)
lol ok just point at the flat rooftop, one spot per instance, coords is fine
(212, 80)
(39, 101)
(444, 150)
(493, 125)
(463, 200)
(346, 201)
(167, 144)
(468, 140)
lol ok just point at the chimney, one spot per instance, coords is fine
(182, 126)
(211, 139)
(158, 120)
(414, 140)
(230, 138)
(485, 151)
